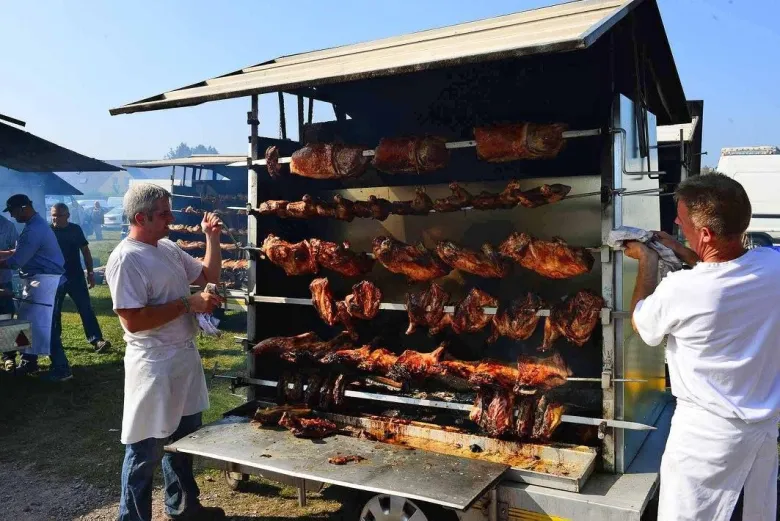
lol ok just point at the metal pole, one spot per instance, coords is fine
(300, 119)
(252, 236)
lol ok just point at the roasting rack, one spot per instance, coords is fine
(568, 134)
(455, 406)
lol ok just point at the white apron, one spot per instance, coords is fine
(162, 384)
(37, 290)
(707, 462)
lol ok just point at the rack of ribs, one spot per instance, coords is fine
(552, 259)
(314, 428)
(500, 143)
(414, 365)
(416, 262)
(574, 319)
(486, 263)
(459, 199)
(426, 308)
(517, 321)
(328, 161)
(295, 258)
(411, 155)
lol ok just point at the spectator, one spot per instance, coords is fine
(97, 221)
(73, 244)
(41, 266)
(8, 238)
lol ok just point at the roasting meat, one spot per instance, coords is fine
(339, 390)
(329, 161)
(314, 428)
(344, 208)
(460, 198)
(498, 419)
(239, 264)
(306, 208)
(296, 259)
(266, 416)
(545, 194)
(540, 373)
(411, 155)
(554, 260)
(364, 301)
(479, 409)
(314, 350)
(375, 208)
(420, 205)
(518, 321)
(272, 161)
(492, 201)
(414, 365)
(379, 361)
(343, 460)
(469, 314)
(348, 357)
(280, 344)
(575, 319)
(311, 397)
(525, 417)
(548, 417)
(529, 375)
(326, 393)
(322, 298)
(426, 308)
(274, 207)
(191, 245)
(487, 263)
(339, 258)
(416, 262)
(494, 374)
(502, 143)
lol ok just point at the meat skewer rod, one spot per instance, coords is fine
(567, 134)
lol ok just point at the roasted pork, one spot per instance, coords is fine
(426, 308)
(460, 198)
(487, 263)
(500, 143)
(517, 321)
(329, 161)
(295, 258)
(416, 262)
(574, 319)
(314, 428)
(552, 259)
(414, 365)
(411, 155)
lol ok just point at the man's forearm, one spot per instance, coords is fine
(646, 280)
(212, 261)
(88, 259)
(151, 317)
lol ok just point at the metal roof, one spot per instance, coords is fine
(767, 150)
(55, 185)
(563, 27)
(671, 133)
(25, 152)
(203, 160)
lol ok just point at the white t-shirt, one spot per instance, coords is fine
(164, 377)
(723, 322)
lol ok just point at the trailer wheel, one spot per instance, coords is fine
(235, 480)
(383, 507)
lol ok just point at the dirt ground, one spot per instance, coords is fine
(26, 495)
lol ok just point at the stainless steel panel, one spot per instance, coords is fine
(446, 480)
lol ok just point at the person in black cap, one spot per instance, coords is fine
(41, 267)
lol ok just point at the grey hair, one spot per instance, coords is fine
(717, 202)
(141, 198)
(61, 206)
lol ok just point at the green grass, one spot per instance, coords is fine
(72, 428)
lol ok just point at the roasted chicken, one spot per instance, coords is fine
(322, 298)
(554, 260)
(517, 321)
(374, 208)
(574, 319)
(339, 258)
(411, 155)
(295, 258)
(469, 316)
(420, 205)
(363, 303)
(414, 365)
(426, 308)
(459, 199)
(314, 428)
(500, 143)
(488, 263)
(416, 262)
(328, 161)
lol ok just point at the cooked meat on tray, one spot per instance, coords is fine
(574, 319)
(469, 316)
(416, 365)
(329, 161)
(343, 460)
(487, 263)
(552, 259)
(518, 320)
(500, 143)
(460, 198)
(271, 415)
(314, 428)
(420, 205)
(426, 308)
(548, 417)
(411, 155)
(295, 258)
(416, 262)
(272, 161)
(363, 303)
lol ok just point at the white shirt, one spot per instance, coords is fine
(164, 377)
(723, 322)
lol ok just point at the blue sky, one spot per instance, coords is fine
(64, 64)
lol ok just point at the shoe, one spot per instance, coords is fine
(200, 514)
(102, 345)
(53, 377)
(9, 365)
(26, 368)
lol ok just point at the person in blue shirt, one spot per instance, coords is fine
(41, 267)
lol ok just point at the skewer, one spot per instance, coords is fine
(568, 134)
(370, 255)
(465, 407)
(605, 312)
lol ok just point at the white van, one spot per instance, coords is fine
(758, 170)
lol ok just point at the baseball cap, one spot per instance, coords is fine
(17, 201)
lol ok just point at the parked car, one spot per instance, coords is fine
(88, 204)
(114, 202)
(114, 219)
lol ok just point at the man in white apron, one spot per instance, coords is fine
(165, 387)
(722, 319)
(41, 266)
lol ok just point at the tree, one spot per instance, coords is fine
(183, 150)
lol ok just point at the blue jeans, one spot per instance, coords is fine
(141, 459)
(76, 287)
(59, 362)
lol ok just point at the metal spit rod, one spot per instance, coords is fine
(568, 134)
(464, 407)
